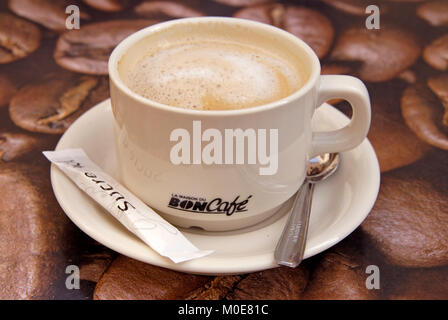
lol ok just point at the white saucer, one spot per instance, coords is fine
(340, 204)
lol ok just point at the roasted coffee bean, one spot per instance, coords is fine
(7, 90)
(29, 69)
(48, 13)
(423, 114)
(18, 38)
(93, 266)
(13, 145)
(420, 284)
(354, 7)
(338, 276)
(409, 222)
(274, 284)
(384, 54)
(394, 143)
(108, 5)
(340, 272)
(307, 24)
(243, 3)
(33, 234)
(439, 86)
(217, 289)
(87, 50)
(434, 12)
(436, 53)
(17, 144)
(66, 97)
(167, 9)
(128, 279)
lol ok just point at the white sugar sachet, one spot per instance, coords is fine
(138, 218)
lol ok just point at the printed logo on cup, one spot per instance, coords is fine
(221, 145)
(202, 205)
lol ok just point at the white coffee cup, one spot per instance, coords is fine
(219, 197)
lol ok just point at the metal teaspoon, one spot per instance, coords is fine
(291, 246)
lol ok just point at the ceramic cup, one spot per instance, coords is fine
(240, 192)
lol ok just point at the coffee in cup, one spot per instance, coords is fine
(206, 73)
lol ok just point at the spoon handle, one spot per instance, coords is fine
(291, 246)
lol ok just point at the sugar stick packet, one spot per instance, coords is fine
(138, 218)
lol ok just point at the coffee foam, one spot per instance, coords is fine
(213, 75)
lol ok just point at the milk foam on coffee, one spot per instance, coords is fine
(209, 74)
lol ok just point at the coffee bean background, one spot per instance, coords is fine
(50, 75)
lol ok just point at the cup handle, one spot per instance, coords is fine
(355, 92)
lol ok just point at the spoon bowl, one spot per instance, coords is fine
(321, 167)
